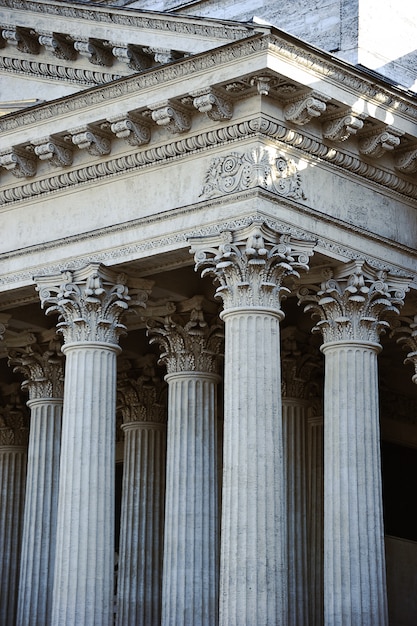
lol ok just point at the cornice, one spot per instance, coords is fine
(338, 73)
(184, 25)
(51, 71)
(65, 179)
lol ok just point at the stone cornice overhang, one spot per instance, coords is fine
(105, 22)
(322, 107)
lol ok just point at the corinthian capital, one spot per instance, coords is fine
(190, 339)
(140, 392)
(41, 364)
(352, 304)
(252, 265)
(406, 331)
(91, 302)
(14, 421)
(301, 365)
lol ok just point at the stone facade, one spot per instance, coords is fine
(208, 273)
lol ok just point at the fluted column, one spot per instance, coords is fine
(190, 351)
(300, 364)
(41, 363)
(351, 307)
(251, 266)
(13, 458)
(91, 303)
(315, 519)
(141, 402)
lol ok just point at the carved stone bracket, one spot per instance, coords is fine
(132, 129)
(343, 127)
(61, 46)
(353, 302)
(406, 331)
(91, 302)
(177, 120)
(254, 265)
(161, 55)
(379, 142)
(93, 139)
(134, 58)
(213, 105)
(261, 167)
(41, 364)
(57, 152)
(406, 161)
(190, 339)
(23, 38)
(19, 162)
(95, 52)
(305, 109)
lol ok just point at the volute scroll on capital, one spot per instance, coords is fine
(141, 393)
(254, 265)
(353, 302)
(91, 302)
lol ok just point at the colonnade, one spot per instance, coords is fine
(175, 565)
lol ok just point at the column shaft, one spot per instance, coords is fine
(253, 572)
(315, 519)
(354, 559)
(13, 461)
(190, 572)
(294, 425)
(39, 529)
(83, 588)
(142, 523)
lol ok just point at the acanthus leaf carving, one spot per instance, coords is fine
(377, 143)
(61, 46)
(305, 109)
(57, 152)
(405, 329)
(406, 161)
(213, 105)
(254, 266)
(91, 302)
(19, 162)
(42, 364)
(23, 38)
(190, 339)
(93, 139)
(176, 119)
(342, 127)
(301, 365)
(14, 418)
(141, 393)
(134, 58)
(261, 167)
(353, 304)
(95, 52)
(131, 128)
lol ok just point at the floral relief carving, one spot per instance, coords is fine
(261, 167)
(352, 303)
(253, 265)
(90, 302)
